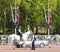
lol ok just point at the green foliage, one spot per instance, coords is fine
(31, 13)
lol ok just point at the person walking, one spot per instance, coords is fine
(33, 43)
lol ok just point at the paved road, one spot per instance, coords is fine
(50, 48)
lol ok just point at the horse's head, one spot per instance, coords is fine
(26, 34)
(30, 32)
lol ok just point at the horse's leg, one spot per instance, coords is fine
(10, 43)
(24, 46)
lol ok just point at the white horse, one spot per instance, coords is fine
(15, 37)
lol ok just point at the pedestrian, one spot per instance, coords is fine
(0, 39)
(33, 44)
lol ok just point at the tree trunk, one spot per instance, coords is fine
(36, 29)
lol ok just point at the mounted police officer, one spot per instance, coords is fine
(20, 33)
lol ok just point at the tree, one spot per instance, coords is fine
(5, 11)
(31, 13)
